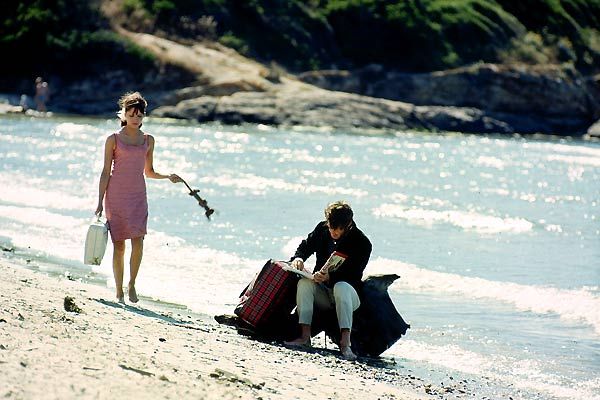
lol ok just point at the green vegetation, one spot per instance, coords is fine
(418, 35)
(230, 40)
(73, 38)
(66, 38)
(434, 34)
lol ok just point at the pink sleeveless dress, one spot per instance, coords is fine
(125, 201)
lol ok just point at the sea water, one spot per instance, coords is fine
(496, 239)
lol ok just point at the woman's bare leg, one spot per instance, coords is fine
(137, 251)
(118, 261)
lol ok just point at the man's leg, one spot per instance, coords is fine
(308, 295)
(346, 302)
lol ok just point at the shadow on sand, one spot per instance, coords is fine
(151, 314)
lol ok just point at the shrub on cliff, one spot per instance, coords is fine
(435, 34)
(420, 35)
(67, 38)
(74, 39)
(571, 28)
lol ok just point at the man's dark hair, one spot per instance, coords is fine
(338, 215)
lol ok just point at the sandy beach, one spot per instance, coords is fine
(498, 276)
(152, 351)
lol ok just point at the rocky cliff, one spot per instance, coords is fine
(482, 98)
(218, 84)
(547, 99)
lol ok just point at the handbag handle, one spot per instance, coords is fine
(101, 220)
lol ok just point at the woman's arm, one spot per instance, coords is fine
(105, 175)
(149, 166)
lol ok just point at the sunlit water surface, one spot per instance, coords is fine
(496, 240)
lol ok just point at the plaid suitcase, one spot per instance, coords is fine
(270, 297)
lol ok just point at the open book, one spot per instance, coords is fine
(333, 262)
(302, 273)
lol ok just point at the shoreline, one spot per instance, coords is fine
(204, 265)
(587, 138)
(152, 350)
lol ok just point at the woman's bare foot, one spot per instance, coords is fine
(121, 297)
(132, 294)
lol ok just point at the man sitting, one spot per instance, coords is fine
(337, 288)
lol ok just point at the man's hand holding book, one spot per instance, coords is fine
(333, 262)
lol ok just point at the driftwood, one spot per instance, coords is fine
(377, 324)
(208, 211)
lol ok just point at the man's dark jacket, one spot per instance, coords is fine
(353, 243)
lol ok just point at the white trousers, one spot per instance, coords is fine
(311, 294)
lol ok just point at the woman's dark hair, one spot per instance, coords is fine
(132, 100)
(339, 215)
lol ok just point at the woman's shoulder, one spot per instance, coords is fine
(148, 137)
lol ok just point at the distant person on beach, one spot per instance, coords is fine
(337, 289)
(24, 102)
(42, 94)
(130, 154)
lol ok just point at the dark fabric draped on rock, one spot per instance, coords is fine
(377, 324)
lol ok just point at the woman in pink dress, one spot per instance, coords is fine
(130, 154)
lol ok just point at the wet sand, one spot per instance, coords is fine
(153, 350)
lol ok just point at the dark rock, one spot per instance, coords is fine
(377, 323)
(546, 99)
(594, 130)
(198, 109)
(207, 82)
(462, 120)
(70, 305)
(210, 89)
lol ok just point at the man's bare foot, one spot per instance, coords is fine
(347, 353)
(300, 342)
(121, 298)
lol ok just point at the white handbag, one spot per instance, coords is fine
(95, 242)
